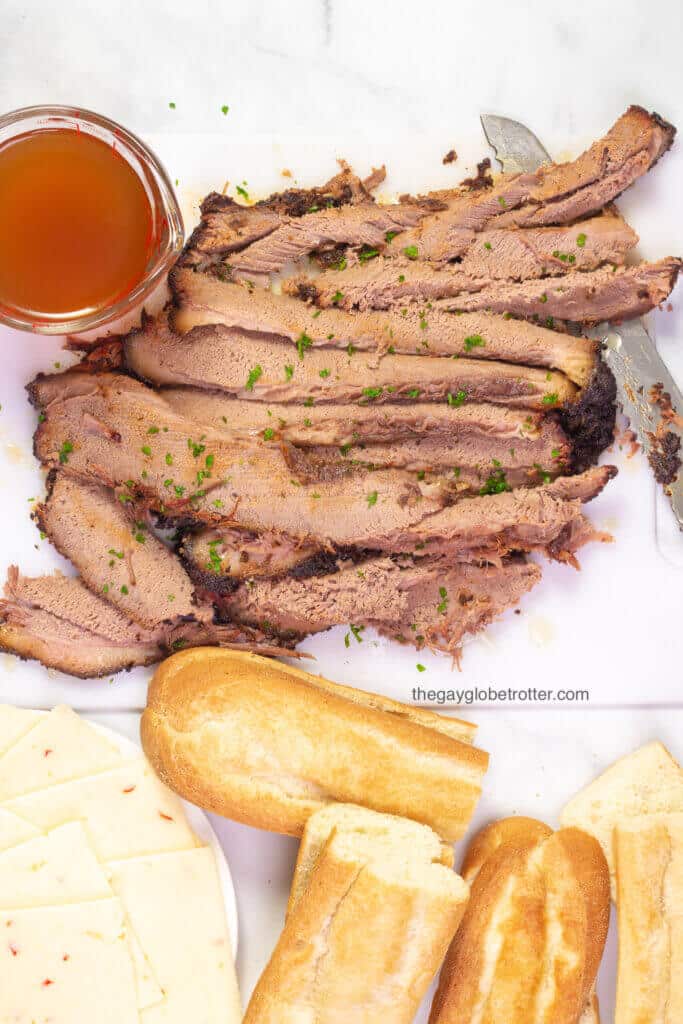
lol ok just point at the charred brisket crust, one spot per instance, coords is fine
(664, 457)
(589, 421)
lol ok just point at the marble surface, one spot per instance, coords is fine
(374, 70)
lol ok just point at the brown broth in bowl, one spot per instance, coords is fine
(76, 225)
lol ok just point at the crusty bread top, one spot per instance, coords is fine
(209, 660)
(497, 833)
(647, 781)
(371, 831)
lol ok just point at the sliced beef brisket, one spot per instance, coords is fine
(430, 602)
(202, 300)
(257, 367)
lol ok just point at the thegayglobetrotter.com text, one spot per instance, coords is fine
(497, 695)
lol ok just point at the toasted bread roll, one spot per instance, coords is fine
(531, 939)
(649, 862)
(366, 934)
(358, 821)
(648, 781)
(505, 830)
(266, 744)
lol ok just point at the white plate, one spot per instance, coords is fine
(200, 825)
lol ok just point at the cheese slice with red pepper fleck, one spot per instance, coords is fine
(61, 746)
(175, 905)
(67, 965)
(127, 812)
(14, 830)
(15, 723)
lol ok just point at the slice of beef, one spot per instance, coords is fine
(194, 473)
(118, 556)
(202, 300)
(428, 602)
(546, 519)
(226, 226)
(471, 435)
(58, 621)
(257, 367)
(517, 253)
(554, 194)
(589, 298)
(362, 225)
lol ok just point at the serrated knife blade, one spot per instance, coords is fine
(629, 351)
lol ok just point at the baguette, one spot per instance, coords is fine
(267, 745)
(648, 781)
(532, 936)
(358, 820)
(649, 861)
(366, 934)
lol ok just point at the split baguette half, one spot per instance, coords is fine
(649, 861)
(532, 936)
(268, 744)
(366, 934)
(647, 781)
(360, 821)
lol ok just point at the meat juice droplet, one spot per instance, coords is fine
(76, 225)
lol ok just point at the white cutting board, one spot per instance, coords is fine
(613, 629)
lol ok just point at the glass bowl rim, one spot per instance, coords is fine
(169, 202)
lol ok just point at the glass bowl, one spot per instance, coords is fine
(167, 221)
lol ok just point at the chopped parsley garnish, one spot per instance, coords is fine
(254, 375)
(372, 392)
(372, 498)
(501, 200)
(545, 477)
(209, 461)
(289, 371)
(565, 257)
(224, 109)
(308, 402)
(215, 559)
(473, 341)
(496, 483)
(414, 393)
(153, 430)
(350, 349)
(268, 434)
(411, 252)
(401, 278)
(241, 192)
(65, 451)
(390, 236)
(146, 450)
(342, 264)
(346, 448)
(323, 373)
(420, 668)
(581, 240)
(177, 644)
(543, 298)
(443, 603)
(172, 105)
(367, 253)
(556, 453)
(124, 590)
(391, 350)
(550, 322)
(357, 630)
(307, 422)
(169, 459)
(551, 398)
(116, 554)
(487, 245)
(423, 322)
(337, 297)
(196, 448)
(455, 401)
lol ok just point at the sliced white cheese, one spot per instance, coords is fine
(175, 904)
(15, 723)
(58, 869)
(127, 812)
(52, 870)
(59, 747)
(14, 830)
(67, 965)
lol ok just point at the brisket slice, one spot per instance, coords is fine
(430, 602)
(226, 226)
(548, 518)
(582, 297)
(554, 194)
(205, 475)
(117, 556)
(202, 300)
(472, 434)
(256, 367)
(58, 621)
(588, 298)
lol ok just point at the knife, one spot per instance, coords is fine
(628, 349)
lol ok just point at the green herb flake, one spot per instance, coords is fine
(171, 105)
(224, 109)
(401, 278)
(289, 371)
(169, 459)
(501, 200)
(116, 554)
(473, 341)
(372, 499)
(254, 375)
(308, 402)
(581, 240)
(551, 399)
(323, 373)
(268, 434)
(153, 430)
(543, 298)
(372, 392)
(242, 192)
(390, 236)
(124, 590)
(496, 483)
(420, 668)
(411, 252)
(366, 254)
(455, 401)
(487, 245)
(65, 451)
(146, 450)
(414, 393)
(357, 630)
(316, 314)
(337, 297)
